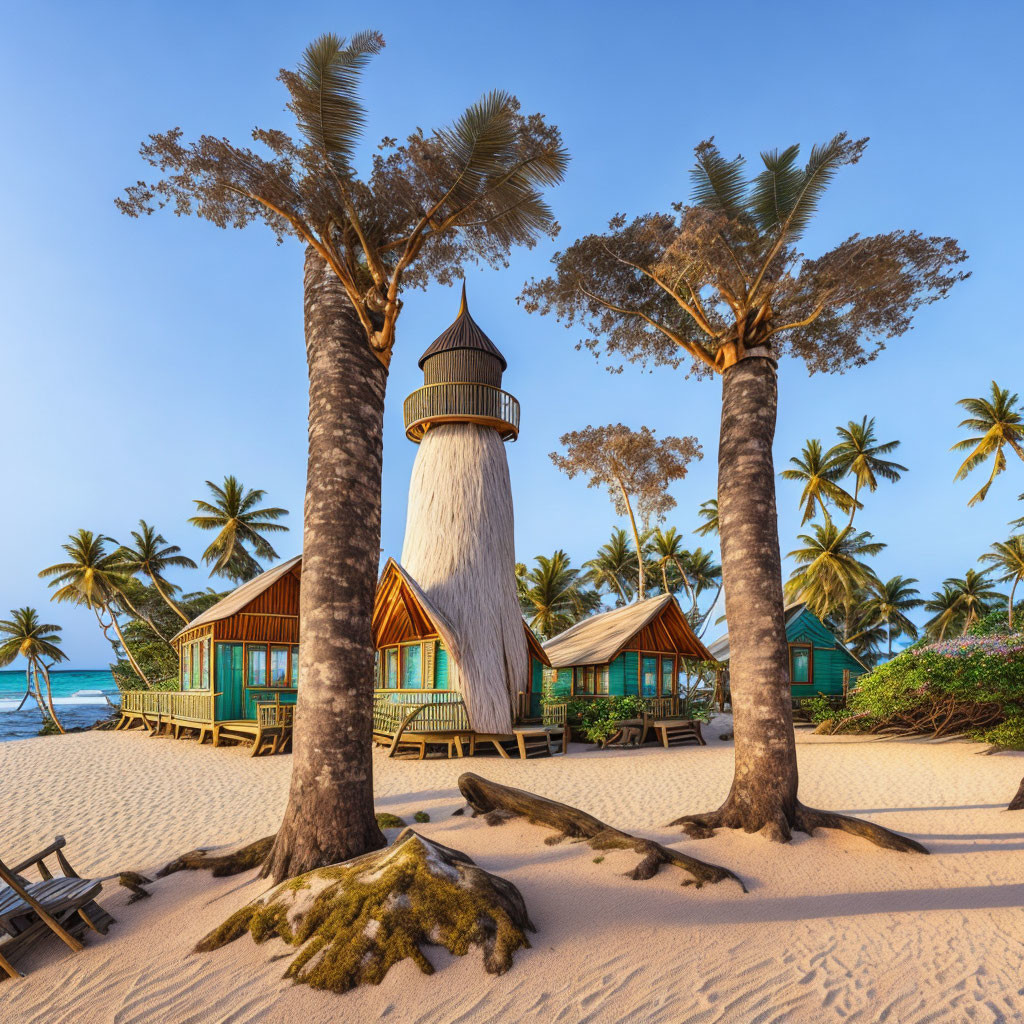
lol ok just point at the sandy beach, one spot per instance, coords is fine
(832, 928)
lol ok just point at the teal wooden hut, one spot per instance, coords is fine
(818, 661)
(636, 650)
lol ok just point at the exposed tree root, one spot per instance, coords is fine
(232, 862)
(353, 921)
(780, 828)
(133, 881)
(1017, 803)
(499, 803)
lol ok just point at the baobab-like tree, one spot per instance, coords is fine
(635, 466)
(721, 283)
(466, 193)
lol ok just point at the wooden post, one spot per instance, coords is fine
(846, 685)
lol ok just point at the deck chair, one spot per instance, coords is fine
(64, 905)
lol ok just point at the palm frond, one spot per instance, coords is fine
(776, 189)
(718, 184)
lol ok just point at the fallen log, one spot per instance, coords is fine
(499, 803)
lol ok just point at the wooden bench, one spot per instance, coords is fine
(526, 741)
(64, 905)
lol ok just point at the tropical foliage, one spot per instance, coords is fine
(997, 424)
(553, 594)
(819, 472)
(24, 636)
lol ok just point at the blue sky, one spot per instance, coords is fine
(142, 357)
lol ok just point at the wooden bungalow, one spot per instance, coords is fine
(636, 650)
(238, 667)
(415, 645)
(818, 661)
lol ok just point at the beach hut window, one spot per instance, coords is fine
(392, 668)
(197, 667)
(256, 655)
(206, 664)
(412, 675)
(295, 667)
(668, 676)
(186, 654)
(278, 666)
(649, 676)
(602, 679)
(800, 663)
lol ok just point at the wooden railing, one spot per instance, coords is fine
(270, 714)
(661, 707)
(190, 706)
(452, 402)
(435, 711)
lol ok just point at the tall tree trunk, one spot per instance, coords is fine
(764, 788)
(636, 540)
(167, 601)
(329, 817)
(763, 797)
(49, 695)
(124, 643)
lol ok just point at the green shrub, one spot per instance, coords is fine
(421, 817)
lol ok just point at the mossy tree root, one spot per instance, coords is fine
(353, 921)
(779, 827)
(499, 803)
(1017, 803)
(229, 862)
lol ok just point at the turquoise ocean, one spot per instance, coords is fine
(79, 697)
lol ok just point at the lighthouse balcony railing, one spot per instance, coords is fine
(464, 401)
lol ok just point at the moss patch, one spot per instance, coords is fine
(385, 820)
(353, 921)
(421, 816)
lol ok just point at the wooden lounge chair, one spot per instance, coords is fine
(64, 905)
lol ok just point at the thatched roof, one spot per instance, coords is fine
(792, 611)
(243, 595)
(601, 638)
(463, 333)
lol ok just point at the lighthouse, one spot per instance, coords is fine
(459, 543)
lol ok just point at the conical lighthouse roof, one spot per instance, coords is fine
(463, 333)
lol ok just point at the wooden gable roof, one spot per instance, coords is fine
(657, 624)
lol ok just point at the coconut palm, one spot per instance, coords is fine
(889, 605)
(819, 472)
(703, 570)
(668, 552)
(95, 578)
(553, 594)
(469, 192)
(708, 511)
(947, 613)
(725, 282)
(830, 569)
(1007, 559)
(23, 635)
(240, 525)
(975, 596)
(614, 566)
(148, 555)
(999, 425)
(859, 454)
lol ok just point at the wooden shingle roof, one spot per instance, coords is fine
(601, 638)
(463, 333)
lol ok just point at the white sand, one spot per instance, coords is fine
(833, 928)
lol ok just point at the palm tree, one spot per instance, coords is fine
(946, 609)
(819, 473)
(704, 572)
(469, 192)
(240, 525)
(96, 579)
(553, 595)
(975, 596)
(708, 511)
(889, 605)
(856, 622)
(1007, 558)
(150, 557)
(859, 453)
(999, 423)
(615, 567)
(724, 281)
(668, 551)
(829, 568)
(1018, 524)
(23, 635)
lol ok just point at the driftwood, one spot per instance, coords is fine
(499, 803)
(135, 883)
(1017, 803)
(353, 921)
